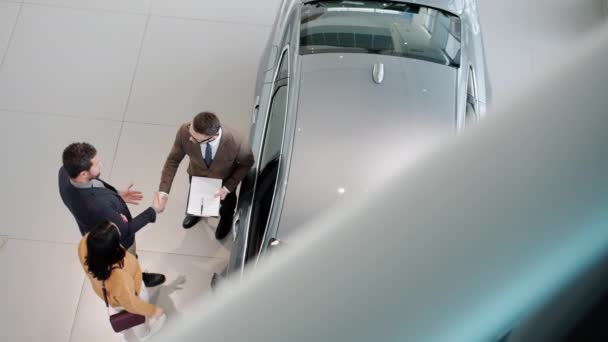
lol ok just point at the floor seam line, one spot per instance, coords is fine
(103, 10)
(124, 114)
(11, 37)
(42, 241)
(76, 311)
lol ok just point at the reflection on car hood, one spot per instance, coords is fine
(352, 133)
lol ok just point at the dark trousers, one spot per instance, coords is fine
(227, 205)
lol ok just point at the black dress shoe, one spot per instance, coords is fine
(223, 228)
(153, 279)
(190, 221)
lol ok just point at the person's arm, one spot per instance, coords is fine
(123, 292)
(107, 212)
(175, 157)
(244, 161)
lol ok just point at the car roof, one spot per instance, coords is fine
(350, 130)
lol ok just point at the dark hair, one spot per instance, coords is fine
(77, 158)
(104, 250)
(206, 123)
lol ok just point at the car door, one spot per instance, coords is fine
(269, 158)
(268, 72)
(257, 189)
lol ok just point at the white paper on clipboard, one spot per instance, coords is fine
(201, 198)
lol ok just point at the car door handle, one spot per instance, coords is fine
(235, 225)
(256, 108)
(273, 243)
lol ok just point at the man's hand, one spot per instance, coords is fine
(222, 193)
(131, 196)
(159, 202)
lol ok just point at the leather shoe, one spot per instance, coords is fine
(190, 221)
(223, 228)
(153, 279)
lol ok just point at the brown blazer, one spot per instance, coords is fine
(230, 163)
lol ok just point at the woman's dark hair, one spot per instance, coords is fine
(77, 158)
(206, 123)
(104, 250)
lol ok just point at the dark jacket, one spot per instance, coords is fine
(93, 205)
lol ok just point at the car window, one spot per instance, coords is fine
(262, 205)
(388, 28)
(273, 138)
(269, 159)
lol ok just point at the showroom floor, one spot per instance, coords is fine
(123, 75)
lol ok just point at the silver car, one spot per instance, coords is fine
(346, 91)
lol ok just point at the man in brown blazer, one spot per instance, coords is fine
(215, 151)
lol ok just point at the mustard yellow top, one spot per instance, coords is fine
(123, 285)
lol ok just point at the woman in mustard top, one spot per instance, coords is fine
(105, 261)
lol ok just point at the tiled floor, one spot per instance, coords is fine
(186, 65)
(110, 73)
(41, 283)
(8, 16)
(123, 74)
(523, 39)
(91, 323)
(71, 61)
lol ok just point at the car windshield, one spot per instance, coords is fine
(387, 28)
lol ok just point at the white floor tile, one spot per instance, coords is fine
(92, 324)
(71, 61)
(41, 285)
(553, 36)
(239, 11)
(523, 39)
(565, 21)
(174, 296)
(188, 66)
(507, 46)
(32, 146)
(131, 6)
(140, 157)
(8, 16)
(167, 235)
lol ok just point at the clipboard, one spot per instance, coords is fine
(201, 197)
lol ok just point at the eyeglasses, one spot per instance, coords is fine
(202, 141)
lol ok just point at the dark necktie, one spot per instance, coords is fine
(208, 155)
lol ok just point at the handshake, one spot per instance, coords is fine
(159, 202)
